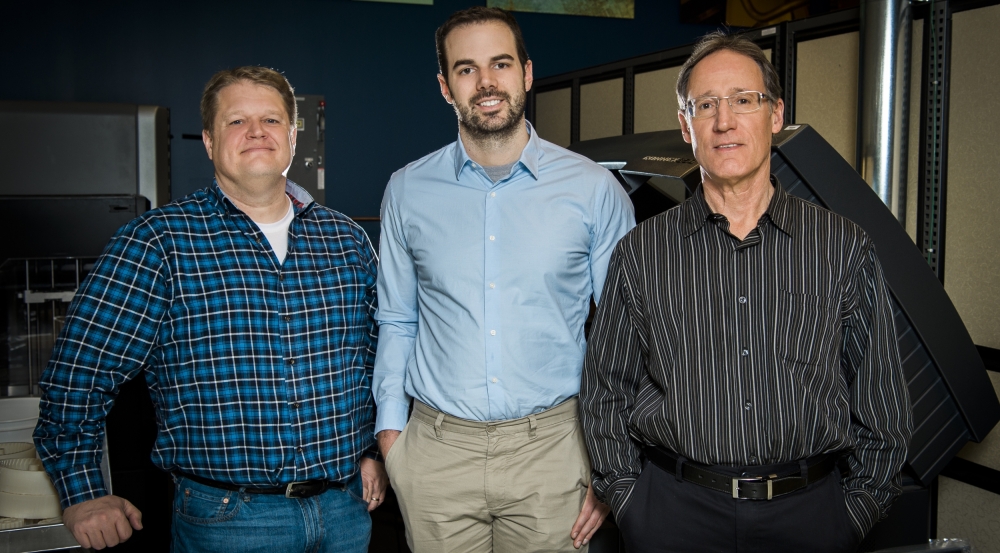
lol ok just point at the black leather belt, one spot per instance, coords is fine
(295, 490)
(744, 487)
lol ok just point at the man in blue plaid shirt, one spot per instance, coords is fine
(248, 309)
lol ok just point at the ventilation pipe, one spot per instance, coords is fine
(885, 62)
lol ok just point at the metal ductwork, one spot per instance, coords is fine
(885, 60)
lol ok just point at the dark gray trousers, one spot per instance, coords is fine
(671, 515)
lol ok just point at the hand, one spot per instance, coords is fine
(385, 440)
(102, 522)
(374, 481)
(591, 517)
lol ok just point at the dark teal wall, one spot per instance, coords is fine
(374, 63)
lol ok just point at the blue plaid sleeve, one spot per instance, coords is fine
(111, 328)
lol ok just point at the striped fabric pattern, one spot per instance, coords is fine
(772, 349)
(260, 372)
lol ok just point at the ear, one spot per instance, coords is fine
(778, 116)
(206, 137)
(529, 78)
(292, 136)
(685, 129)
(445, 91)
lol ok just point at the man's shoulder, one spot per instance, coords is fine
(552, 154)
(427, 167)
(808, 214)
(655, 232)
(175, 215)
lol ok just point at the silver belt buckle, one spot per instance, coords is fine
(288, 489)
(770, 485)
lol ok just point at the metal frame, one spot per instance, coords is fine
(934, 93)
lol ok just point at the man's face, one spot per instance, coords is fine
(730, 147)
(251, 136)
(485, 82)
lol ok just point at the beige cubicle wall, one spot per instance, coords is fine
(601, 106)
(972, 245)
(553, 115)
(656, 100)
(826, 90)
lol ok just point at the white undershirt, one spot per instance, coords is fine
(277, 232)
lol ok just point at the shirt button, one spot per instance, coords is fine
(493, 285)
(281, 277)
(493, 194)
(494, 380)
(295, 404)
(745, 352)
(753, 459)
(299, 449)
(291, 361)
(747, 406)
(287, 318)
(743, 299)
(493, 333)
(493, 237)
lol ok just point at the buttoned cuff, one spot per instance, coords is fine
(863, 511)
(618, 494)
(391, 415)
(79, 484)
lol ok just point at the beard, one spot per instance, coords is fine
(496, 127)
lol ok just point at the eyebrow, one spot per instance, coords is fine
(494, 59)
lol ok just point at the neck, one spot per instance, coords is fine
(491, 149)
(263, 200)
(742, 202)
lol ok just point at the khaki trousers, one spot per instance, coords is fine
(512, 486)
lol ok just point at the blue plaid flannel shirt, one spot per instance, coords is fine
(260, 373)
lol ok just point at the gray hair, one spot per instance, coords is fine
(719, 40)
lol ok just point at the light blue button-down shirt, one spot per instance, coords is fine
(484, 288)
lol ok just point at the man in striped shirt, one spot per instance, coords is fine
(248, 309)
(744, 344)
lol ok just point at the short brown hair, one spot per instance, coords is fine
(716, 41)
(263, 76)
(472, 16)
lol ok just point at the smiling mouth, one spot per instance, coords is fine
(490, 103)
(727, 146)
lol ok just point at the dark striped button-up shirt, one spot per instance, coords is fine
(771, 349)
(260, 371)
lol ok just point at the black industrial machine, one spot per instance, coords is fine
(71, 174)
(308, 168)
(953, 398)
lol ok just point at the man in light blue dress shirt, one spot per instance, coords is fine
(491, 250)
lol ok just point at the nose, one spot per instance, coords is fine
(487, 79)
(254, 128)
(725, 118)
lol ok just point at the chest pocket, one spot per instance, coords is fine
(806, 328)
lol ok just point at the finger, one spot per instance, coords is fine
(97, 539)
(134, 516)
(122, 529)
(82, 539)
(581, 519)
(595, 523)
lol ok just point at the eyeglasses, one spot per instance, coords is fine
(742, 102)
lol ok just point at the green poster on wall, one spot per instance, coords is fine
(624, 9)
(421, 2)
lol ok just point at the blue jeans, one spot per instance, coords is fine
(216, 520)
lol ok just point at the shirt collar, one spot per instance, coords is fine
(301, 200)
(696, 212)
(530, 155)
